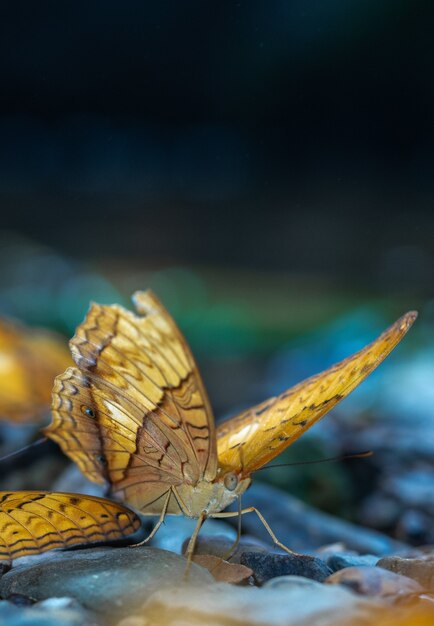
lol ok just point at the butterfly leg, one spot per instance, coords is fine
(158, 524)
(253, 509)
(234, 546)
(192, 543)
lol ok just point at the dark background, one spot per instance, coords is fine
(290, 136)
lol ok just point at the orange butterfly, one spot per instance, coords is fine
(32, 522)
(134, 414)
(29, 361)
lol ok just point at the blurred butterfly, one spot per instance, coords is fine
(29, 361)
(134, 414)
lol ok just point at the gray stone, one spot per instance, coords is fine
(375, 581)
(418, 568)
(54, 612)
(339, 561)
(230, 605)
(416, 526)
(176, 529)
(303, 528)
(19, 599)
(281, 582)
(103, 579)
(414, 488)
(266, 566)
(221, 546)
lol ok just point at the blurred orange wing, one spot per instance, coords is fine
(246, 442)
(134, 411)
(29, 361)
(32, 522)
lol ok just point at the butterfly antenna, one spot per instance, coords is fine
(341, 457)
(23, 449)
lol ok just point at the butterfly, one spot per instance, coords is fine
(134, 414)
(29, 361)
(32, 522)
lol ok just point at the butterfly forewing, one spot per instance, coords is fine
(33, 522)
(248, 441)
(135, 412)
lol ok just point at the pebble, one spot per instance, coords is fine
(305, 604)
(19, 599)
(375, 581)
(419, 568)
(413, 487)
(102, 579)
(292, 581)
(53, 612)
(177, 529)
(221, 546)
(267, 566)
(303, 528)
(342, 560)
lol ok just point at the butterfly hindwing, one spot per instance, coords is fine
(32, 522)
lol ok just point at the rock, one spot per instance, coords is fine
(415, 526)
(53, 612)
(304, 528)
(419, 568)
(378, 510)
(19, 599)
(292, 581)
(222, 604)
(413, 487)
(176, 529)
(102, 579)
(220, 545)
(135, 620)
(374, 581)
(339, 561)
(266, 566)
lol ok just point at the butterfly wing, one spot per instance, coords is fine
(246, 442)
(32, 522)
(29, 361)
(134, 411)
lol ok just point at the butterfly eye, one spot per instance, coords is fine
(231, 481)
(88, 411)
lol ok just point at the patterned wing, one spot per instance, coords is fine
(134, 412)
(248, 441)
(29, 361)
(32, 522)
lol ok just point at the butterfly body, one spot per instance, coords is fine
(209, 497)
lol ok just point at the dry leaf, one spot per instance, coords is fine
(222, 570)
